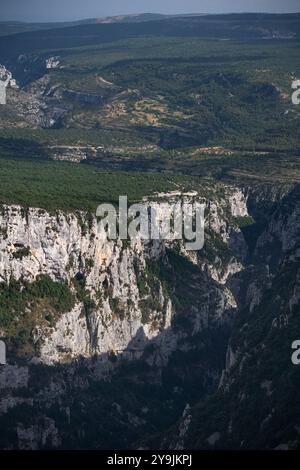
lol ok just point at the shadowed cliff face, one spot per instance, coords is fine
(71, 406)
(257, 404)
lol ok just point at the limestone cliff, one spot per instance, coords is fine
(136, 302)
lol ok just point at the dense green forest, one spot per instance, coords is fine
(203, 96)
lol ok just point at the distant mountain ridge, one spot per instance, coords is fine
(15, 27)
(93, 31)
(134, 18)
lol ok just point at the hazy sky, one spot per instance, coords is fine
(55, 10)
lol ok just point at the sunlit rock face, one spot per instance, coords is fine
(131, 299)
(65, 246)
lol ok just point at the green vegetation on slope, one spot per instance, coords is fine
(56, 185)
(24, 306)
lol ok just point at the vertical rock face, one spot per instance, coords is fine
(6, 80)
(133, 302)
(67, 247)
(256, 404)
(2, 93)
(63, 247)
(6, 77)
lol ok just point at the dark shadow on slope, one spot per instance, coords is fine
(152, 380)
(22, 148)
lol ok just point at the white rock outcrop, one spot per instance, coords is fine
(62, 246)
